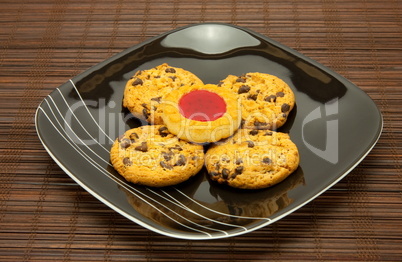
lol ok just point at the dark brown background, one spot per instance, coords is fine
(45, 216)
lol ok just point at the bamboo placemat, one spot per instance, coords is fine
(46, 216)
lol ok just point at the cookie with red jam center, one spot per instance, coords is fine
(201, 113)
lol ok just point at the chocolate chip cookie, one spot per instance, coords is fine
(252, 159)
(143, 92)
(266, 99)
(150, 155)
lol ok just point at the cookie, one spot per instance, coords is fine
(150, 155)
(201, 113)
(143, 92)
(252, 159)
(266, 99)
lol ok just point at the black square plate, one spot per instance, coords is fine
(334, 125)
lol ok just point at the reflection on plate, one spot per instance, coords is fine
(334, 125)
(225, 209)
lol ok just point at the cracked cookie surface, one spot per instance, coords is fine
(150, 155)
(252, 159)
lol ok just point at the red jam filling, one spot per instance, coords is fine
(202, 105)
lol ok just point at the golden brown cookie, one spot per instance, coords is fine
(150, 155)
(266, 99)
(201, 113)
(143, 92)
(252, 159)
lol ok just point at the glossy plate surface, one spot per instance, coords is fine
(334, 124)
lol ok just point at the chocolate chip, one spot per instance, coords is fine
(214, 174)
(143, 147)
(170, 70)
(241, 80)
(164, 134)
(239, 161)
(163, 131)
(224, 159)
(137, 82)
(167, 155)
(173, 78)
(250, 143)
(239, 170)
(165, 165)
(124, 143)
(280, 94)
(270, 98)
(181, 161)
(176, 147)
(252, 97)
(145, 112)
(134, 136)
(253, 132)
(225, 173)
(266, 160)
(127, 161)
(243, 89)
(285, 108)
(260, 124)
(268, 133)
(120, 138)
(157, 99)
